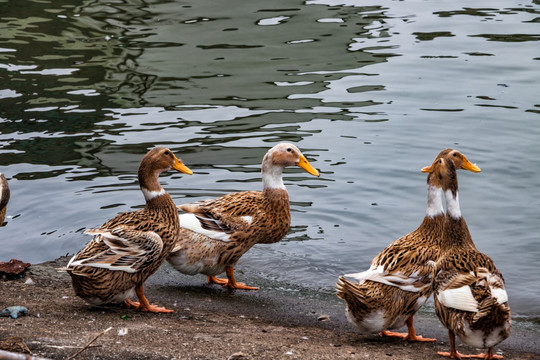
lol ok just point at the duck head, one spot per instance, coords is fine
(442, 173)
(279, 157)
(155, 162)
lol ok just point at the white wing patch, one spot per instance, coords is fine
(460, 298)
(496, 286)
(364, 275)
(191, 222)
(71, 261)
(127, 251)
(499, 294)
(411, 283)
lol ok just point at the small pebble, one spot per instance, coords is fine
(239, 355)
(323, 318)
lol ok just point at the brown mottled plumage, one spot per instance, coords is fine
(399, 280)
(4, 197)
(129, 248)
(470, 297)
(216, 233)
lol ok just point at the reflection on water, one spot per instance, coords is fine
(370, 93)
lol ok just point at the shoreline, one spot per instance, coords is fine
(212, 323)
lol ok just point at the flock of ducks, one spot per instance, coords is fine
(210, 236)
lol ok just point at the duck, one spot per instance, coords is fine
(4, 197)
(399, 280)
(215, 233)
(469, 291)
(127, 249)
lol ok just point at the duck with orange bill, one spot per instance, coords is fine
(216, 233)
(129, 248)
(470, 296)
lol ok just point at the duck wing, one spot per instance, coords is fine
(221, 217)
(122, 248)
(404, 264)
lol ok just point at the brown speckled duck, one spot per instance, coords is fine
(470, 296)
(216, 233)
(399, 281)
(129, 248)
(4, 197)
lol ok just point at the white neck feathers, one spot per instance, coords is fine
(272, 177)
(452, 204)
(149, 195)
(434, 203)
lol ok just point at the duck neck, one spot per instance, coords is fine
(161, 204)
(456, 233)
(452, 204)
(150, 186)
(434, 202)
(434, 220)
(273, 187)
(156, 197)
(272, 177)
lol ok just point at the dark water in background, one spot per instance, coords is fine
(370, 93)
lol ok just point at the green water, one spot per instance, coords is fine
(370, 93)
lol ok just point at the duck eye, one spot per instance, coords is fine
(440, 161)
(455, 154)
(166, 152)
(289, 149)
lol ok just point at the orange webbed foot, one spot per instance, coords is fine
(458, 355)
(143, 304)
(240, 286)
(215, 280)
(418, 338)
(386, 333)
(226, 283)
(130, 304)
(411, 335)
(230, 282)
(453, 355)
(154, 309)
(406, 336)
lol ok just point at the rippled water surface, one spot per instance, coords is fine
(370, 93)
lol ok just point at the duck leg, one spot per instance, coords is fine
(143, 304)
(454, 354)
(410, 336)
(488, 356)
(230, 282)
